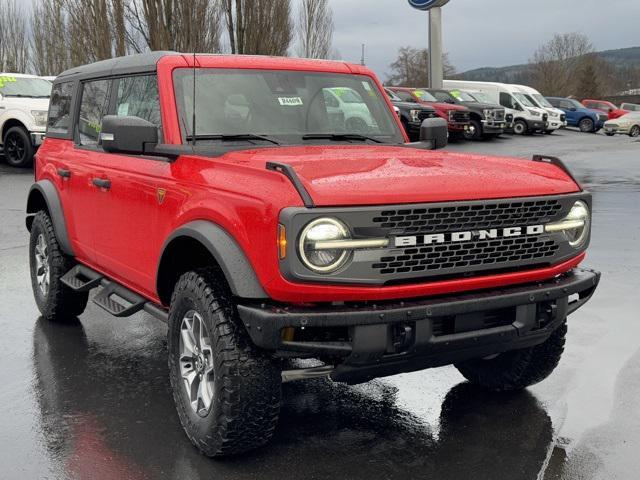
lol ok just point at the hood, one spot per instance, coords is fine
(444, 106)
(482, 105)
(25, 104)
(345, 175)
(413, 106)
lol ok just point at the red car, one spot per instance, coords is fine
(227, 196)
(458, 117)
(605, 107)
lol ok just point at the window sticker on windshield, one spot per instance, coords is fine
(455, 93)
(290, 101)
(123, 109)
(4, 80)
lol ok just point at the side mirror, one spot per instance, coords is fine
(435, 131)
(127, 134)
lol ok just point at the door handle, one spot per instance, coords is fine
(102, 183)
(64, 173)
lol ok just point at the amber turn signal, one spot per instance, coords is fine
(282, 242)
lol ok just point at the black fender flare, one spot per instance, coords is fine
(227, 252)
(46, 190)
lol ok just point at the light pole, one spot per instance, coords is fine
(436, 69)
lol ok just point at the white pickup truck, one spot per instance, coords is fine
(24, 103)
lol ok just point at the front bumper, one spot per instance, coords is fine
(458, 127)
(396, 337)
(537, 125)
(493, 127)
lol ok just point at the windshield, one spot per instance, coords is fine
(288, 105)
(24, 87)
(424, 96)
(543, 102)
(463, 96)
(523, 99)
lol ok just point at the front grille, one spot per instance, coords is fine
(459, 117)
(545, 117)
(468, 217)
(498, 115)
(509, 117)
(563, 118)
(482, 253)
(424, 114)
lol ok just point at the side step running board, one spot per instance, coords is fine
(114, 298)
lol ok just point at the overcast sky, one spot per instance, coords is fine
(479, 33)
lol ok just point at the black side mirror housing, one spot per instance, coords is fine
(435, 131)
(127, 134)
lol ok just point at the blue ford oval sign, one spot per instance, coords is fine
(427, 4)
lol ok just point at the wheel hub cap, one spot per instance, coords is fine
(196, 362)
(42, 265)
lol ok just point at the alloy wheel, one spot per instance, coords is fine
(196, 363)
(635, 131)
(14, 148)
(43, 270)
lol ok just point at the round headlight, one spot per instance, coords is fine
(579, 213)
(323, 230)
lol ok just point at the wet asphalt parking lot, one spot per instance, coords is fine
(91, 399)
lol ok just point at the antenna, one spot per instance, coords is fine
(193, 99)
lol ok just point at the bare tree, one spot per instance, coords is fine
(185, 25)
(411, 67)
(554, 64)
(14, 44)
(315, 29)
(49, 40)
(259, 27)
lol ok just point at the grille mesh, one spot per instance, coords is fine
(484, 253)
(468, 217)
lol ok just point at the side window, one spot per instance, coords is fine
(60, 108)
(566, 105)
(93, 106)
(405, 96)
(506, 100)
(138, 97)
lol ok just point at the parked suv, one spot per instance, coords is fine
(586, 119)
(411, 114)
(221, 195)
(24, 101)
(457, 116)
(488, 120)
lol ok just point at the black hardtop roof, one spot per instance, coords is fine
(139, 63)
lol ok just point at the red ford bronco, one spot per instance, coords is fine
(225, 196)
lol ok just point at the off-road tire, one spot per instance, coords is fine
(246, 382)
(517, 369)
(520, 127)
(60, 303)
(476, 132)
(18, 151)
(586, 125)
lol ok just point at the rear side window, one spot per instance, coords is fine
(94, 105)
(138, 97)
(59, 117)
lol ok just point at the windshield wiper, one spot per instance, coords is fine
(237, 136)
(339, 136)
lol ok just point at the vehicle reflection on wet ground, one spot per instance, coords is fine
(91, 398)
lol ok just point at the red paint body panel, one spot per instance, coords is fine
(605, 107)
(120, 232)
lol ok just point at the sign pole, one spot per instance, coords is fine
(436, 69)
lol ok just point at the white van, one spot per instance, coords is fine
(24, 105)
(557, 118)
(527, 117)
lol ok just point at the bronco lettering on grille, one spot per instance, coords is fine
(409, 241)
